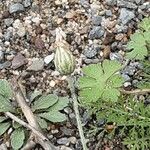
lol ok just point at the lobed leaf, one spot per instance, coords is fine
(99, 81)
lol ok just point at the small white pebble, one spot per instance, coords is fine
(52, 83)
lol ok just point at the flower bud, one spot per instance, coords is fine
(64, 60)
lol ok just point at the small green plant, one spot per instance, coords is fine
(140, 41)
(100, 81)
(45, 108)
(101, 93)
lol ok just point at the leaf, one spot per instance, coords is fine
(42, 123)
(2, 119)
(4, 127)
(5, 89)
(45, 102)
(53, 116)
(145, 24)
(138, 47)
(60, 104)
(98, 80)
(35, 94)
(17, 138)
(5, 105)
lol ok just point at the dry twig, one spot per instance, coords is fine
(44, 142)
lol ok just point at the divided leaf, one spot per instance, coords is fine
(138, 47)
(99, 81)
(5, 89)
(4, 127)
(5, 105)
(145, 24)
(45, 102)
(17, 138)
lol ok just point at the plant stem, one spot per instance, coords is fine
(136, 91)
(75, 105)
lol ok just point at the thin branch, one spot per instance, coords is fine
(39, 134)
(19, 97)
(136, 91)
(75, 104)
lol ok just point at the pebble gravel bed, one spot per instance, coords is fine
(95, 29)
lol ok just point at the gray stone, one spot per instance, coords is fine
(17, 7)
(96, 32)
(1, 56)
(129, 70)
(145, 6)
(96, 20)
(18, 61)
(126, 77)
(5, 65)
(108, 13)
(116, 56)
(37, 65)
(66, 131)
(126, 4)
(91, 51)
(8, 35)
(27, 3)
(63, 141)
(121, 28)
(126, 84)
(137, 1)
(126, 15)
(8, 21)
(84, 3)
(111, 2)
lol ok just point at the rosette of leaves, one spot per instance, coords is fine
(100, 81)
(46, 108)
(139, 43)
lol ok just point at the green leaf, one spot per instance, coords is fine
(17, 138)
(16, 125)
(5, 89)
(45, 102)
(60, 104)
(145, 24)
(5, 105)
(138, 47)
(35, 94)
(98, 80)
(4, 127)
(53, 116)
(42, 123)
(2, 119)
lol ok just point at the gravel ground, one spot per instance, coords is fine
(95, 30)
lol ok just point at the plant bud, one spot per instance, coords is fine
(64, 60)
